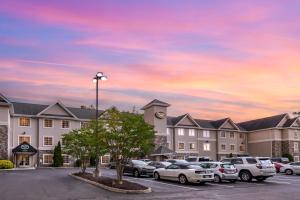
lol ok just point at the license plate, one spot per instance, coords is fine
(207, 176)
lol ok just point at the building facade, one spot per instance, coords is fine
(29, 133)
(186, 136)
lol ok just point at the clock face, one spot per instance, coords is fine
(160, 115)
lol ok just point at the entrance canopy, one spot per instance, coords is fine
(24, 148)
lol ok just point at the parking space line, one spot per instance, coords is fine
(163, 183)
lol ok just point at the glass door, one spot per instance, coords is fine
(24, 161)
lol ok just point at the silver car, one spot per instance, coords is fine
(291, 168)
(222, 171)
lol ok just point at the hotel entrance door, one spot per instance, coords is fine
(24, 161)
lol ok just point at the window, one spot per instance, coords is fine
(63, 141)
(192, 145)
(251, 160)
(84, 124)
(242, 148)
(48, 141)
(66, 159)
(105, 159)
(65, 124)
(231, 135)
(206, 146)
(236, 161)
(24, 121)
(191, 132)
(295, 135)
(180, 145)
(181, 132)
(223, 147)
(296, 147)
(47, 159)
(296, 159)
(232, 147)
(206, 134)
(223, 134)
(24, 138)
(241, 135)
(48, 123)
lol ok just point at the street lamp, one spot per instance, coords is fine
(99, 76)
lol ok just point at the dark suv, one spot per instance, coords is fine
(138, 168)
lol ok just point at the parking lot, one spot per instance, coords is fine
(54, 184)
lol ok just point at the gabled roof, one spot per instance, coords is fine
(172, 121)
(205, 123)
(218, 123)
(61, 105)
(34, 109)
(263, 123)
(290, 122)
(162, 150)
(187, 116)
(156, 102)
(4, 100)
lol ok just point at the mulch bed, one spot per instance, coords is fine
(112, 182)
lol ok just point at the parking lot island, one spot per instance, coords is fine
(110, 184)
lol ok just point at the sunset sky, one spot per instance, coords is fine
(212, 59)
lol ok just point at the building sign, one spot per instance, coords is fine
(160, 115)
(24, 148)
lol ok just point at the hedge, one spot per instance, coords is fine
(6, 164)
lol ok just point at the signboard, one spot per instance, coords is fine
(160, 115)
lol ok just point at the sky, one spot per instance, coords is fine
(211, 59)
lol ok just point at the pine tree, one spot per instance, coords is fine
(58, 160)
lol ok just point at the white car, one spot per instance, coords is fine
(291, 168)
(252, 167)
(222, 171)
(184, 173)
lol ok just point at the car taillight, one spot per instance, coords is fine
(221, 170)
(259, 166)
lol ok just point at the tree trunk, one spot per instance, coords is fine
(120, 169)
(97, 172)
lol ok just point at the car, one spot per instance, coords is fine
(184, 173)
(197, 159)
(159, 164)
(222, 171)
(248, 168)
(177, 161)
(282, 160)
(138, 168)
(291, 168)
(146, 160)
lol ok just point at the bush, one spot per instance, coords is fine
(289, 156)
(58, 160)
(6, 164)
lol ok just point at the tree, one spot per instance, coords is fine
(127, 135)
(58, 160)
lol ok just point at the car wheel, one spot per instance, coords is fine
(136, 173)
(217, 179)
(288, 172)
(245, 176)
(183, 179)
(156, 176)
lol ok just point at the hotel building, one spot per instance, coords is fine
(29, 133)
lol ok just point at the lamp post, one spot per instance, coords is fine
(98, 77)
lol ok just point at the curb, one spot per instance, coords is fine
(18, 169)
(148, 190)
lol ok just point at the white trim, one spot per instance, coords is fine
(191, 130)
(48, 137)
(44, 123)
(282, 120)
(206, 139)
(44, 158)
(60, 104)
(297, 119)
(207, 131)
(228, 119)
(188, 115)
(180, 131)
(24, 136)
(209, 145)
(19, 120)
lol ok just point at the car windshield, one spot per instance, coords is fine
(194, 167)
(165, 163)
(191, 159)
(181, 161)
(138, 162)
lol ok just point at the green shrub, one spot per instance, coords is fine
(6, 164)
(289, 156)
(58, 160)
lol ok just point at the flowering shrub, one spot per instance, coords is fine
(6, 164)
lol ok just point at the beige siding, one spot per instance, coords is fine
(260, 149)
